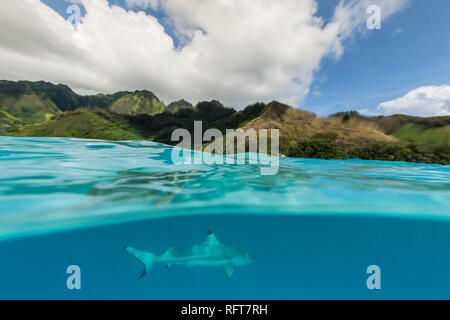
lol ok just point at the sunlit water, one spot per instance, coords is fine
(312, 229)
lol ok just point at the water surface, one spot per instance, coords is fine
(313, 228)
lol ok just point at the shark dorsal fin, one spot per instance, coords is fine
(211, 238)
(169, 252)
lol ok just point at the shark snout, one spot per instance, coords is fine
(128, 249)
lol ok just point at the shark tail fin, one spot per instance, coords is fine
(148, 259)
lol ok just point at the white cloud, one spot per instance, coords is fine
(153, 4)
(423, 102)
(238, 51)
(368, 112)
(397, 32)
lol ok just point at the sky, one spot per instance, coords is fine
(317, 55)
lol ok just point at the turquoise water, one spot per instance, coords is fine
(312, 229)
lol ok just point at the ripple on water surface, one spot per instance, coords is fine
(48, 184)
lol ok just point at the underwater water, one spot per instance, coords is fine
(312, 230)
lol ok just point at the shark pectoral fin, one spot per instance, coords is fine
(147, 267)
(144, 272)
(229, 269)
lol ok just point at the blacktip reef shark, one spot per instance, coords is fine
(210, 253)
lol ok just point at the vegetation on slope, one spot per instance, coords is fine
(415, 133)
(25, 108)
(29, 99)
(60, 95)
(425, 140)
(44, 109)
(299, 127)
(212, 114)
(432, 130)
(93, 123)
(139, 102)
(176, 106)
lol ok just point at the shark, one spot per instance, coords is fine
(210, 253)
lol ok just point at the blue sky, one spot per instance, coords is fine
(382, 65)
(412, 50)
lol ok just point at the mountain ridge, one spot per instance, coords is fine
(43, 109)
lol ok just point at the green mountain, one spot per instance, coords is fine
(26, 108)
(94, 123)
(212, 114)
(43, 109)
(61, 95)
(431, 130)
(139, 102)
(174, 107)
(26, 102)
(434, 130)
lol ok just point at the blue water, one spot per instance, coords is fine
(312, 229)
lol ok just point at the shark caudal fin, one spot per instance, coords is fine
(146, 258)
